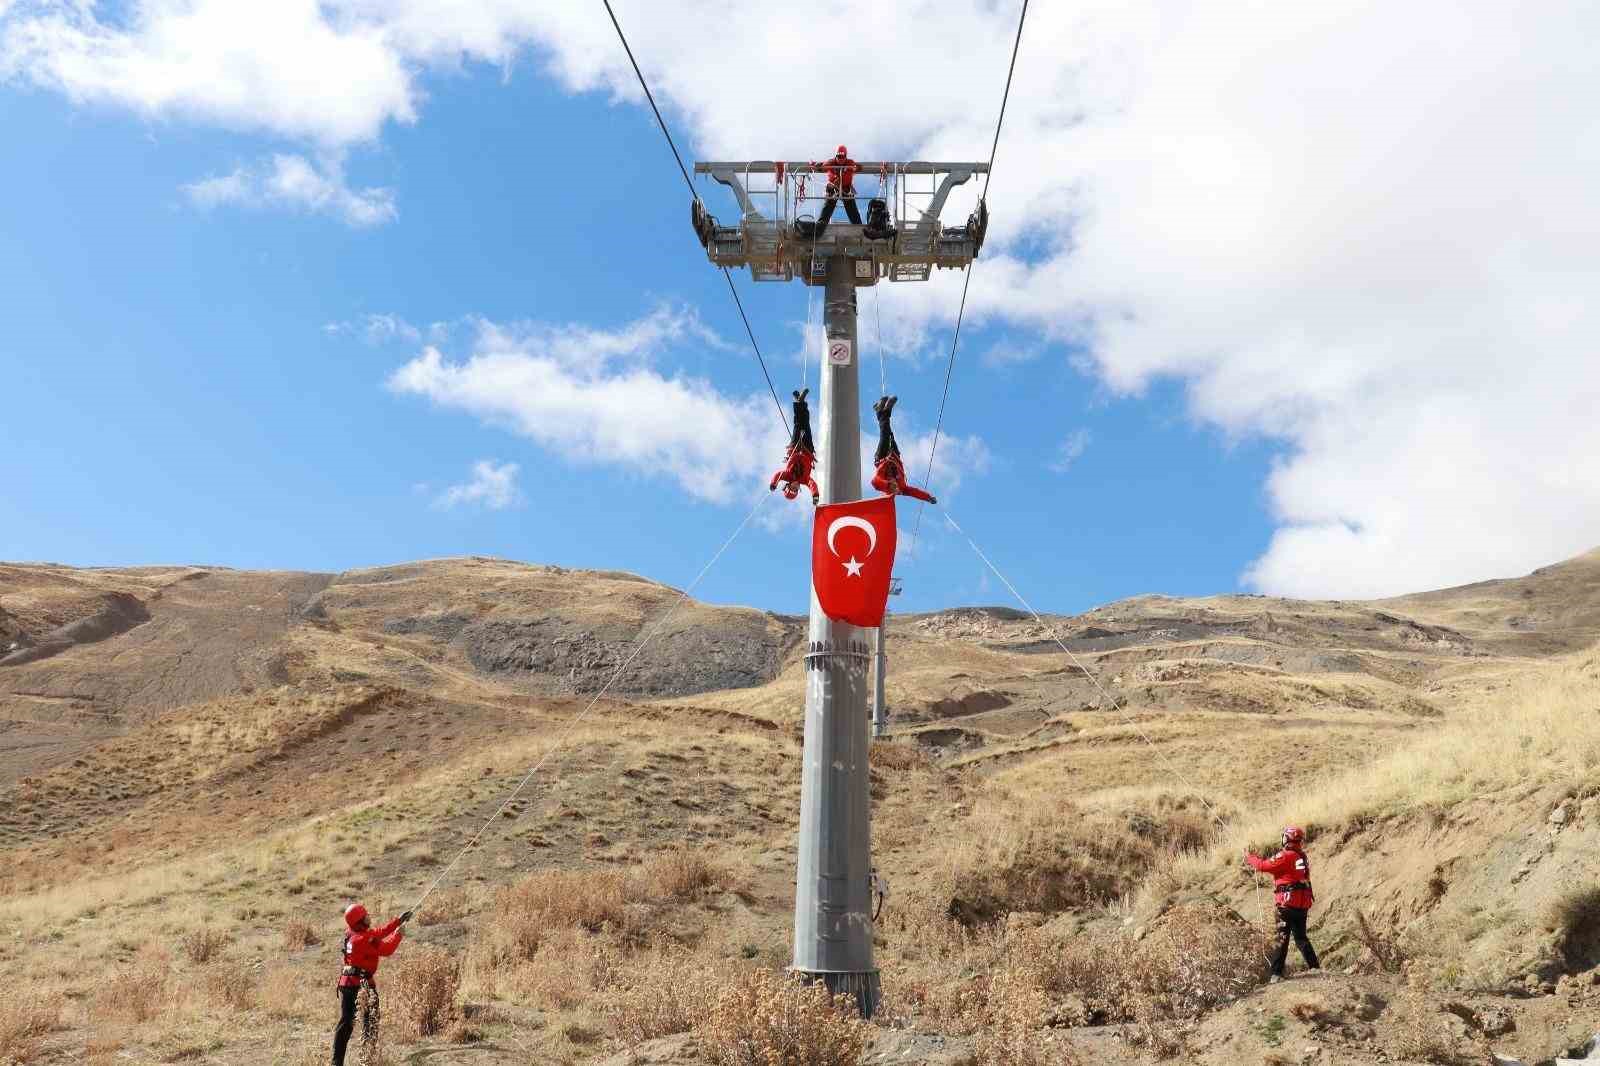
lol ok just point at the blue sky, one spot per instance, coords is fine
(213, 380)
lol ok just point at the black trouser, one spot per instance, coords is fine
(347, 1019)
(1292, 923)
(850, 209)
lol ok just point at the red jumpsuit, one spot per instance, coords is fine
(364, 949)
(797, 464)
(1291, 880)
(890, 478)
(841, 172)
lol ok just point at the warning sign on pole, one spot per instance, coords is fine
(839, 352)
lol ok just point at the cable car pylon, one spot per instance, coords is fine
(833, 917)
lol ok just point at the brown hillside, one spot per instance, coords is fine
(186, 748)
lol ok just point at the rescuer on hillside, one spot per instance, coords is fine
(1291, 880)
(364, 948)
(841, 171)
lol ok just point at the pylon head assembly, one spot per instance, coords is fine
(786, 229)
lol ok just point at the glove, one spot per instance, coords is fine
(406, 917)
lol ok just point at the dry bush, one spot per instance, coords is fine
(203, 944)
(299, 933)
(284, 994)
(1575, 919)
(767, 1019)
(448, 906)
(534, 909)
(662, 994)
(1420, 1032)
(1382, 944)
(679, 874)
(423, 991)
(886, 755)
(136, 993)
(570, 968)
(1017, 1045)
(27, 1015)
(230, 984)
(1037, 852)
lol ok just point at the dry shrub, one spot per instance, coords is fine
(448, 906)
(299, 933)
(136, 993)
(532, 910)
(1032, 852)
(679, 874)
(284, 994)
(1575, 919)
(659, 995)
(570, 968)
(768, 1019)
(1382, 944)
(423, 990)
(1420, 1032)
(1017, 1045)
(230, 984)
(202, 945)
(885, 755)
(27, 1015)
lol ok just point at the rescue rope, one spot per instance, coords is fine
(648, 95)
(955, 340)
(1104, 693)
(640, 643)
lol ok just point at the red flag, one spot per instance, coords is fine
(852, 556)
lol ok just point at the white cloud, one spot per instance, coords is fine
(1069, 450)
(596, 396)
(493, 485)
(293, 181)
(383, 329)
(1365, 230)
(599, 396)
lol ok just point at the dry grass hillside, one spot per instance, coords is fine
(199, 767)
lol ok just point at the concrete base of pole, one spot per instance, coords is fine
(865, 988)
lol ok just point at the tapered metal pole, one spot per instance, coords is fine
(832, 902)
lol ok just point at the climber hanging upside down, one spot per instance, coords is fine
(801, 456)
(890, 475)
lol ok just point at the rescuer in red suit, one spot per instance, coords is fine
(364, 948)
(841, 171)
(889, 475)
(801, 456)
(1291, 892)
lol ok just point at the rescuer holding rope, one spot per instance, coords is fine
(1291, 879)
(363, 949)
(841, 171)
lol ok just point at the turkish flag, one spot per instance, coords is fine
(852, 556)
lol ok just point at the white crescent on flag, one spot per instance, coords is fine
(859, 523)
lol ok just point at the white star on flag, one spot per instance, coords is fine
(852, 568)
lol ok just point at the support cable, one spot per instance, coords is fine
(955, 340)
(1105, 695)
(640, 643)
(648, 95)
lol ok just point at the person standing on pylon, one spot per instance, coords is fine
(841, 171)
(1291, 879)
(363, 949)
